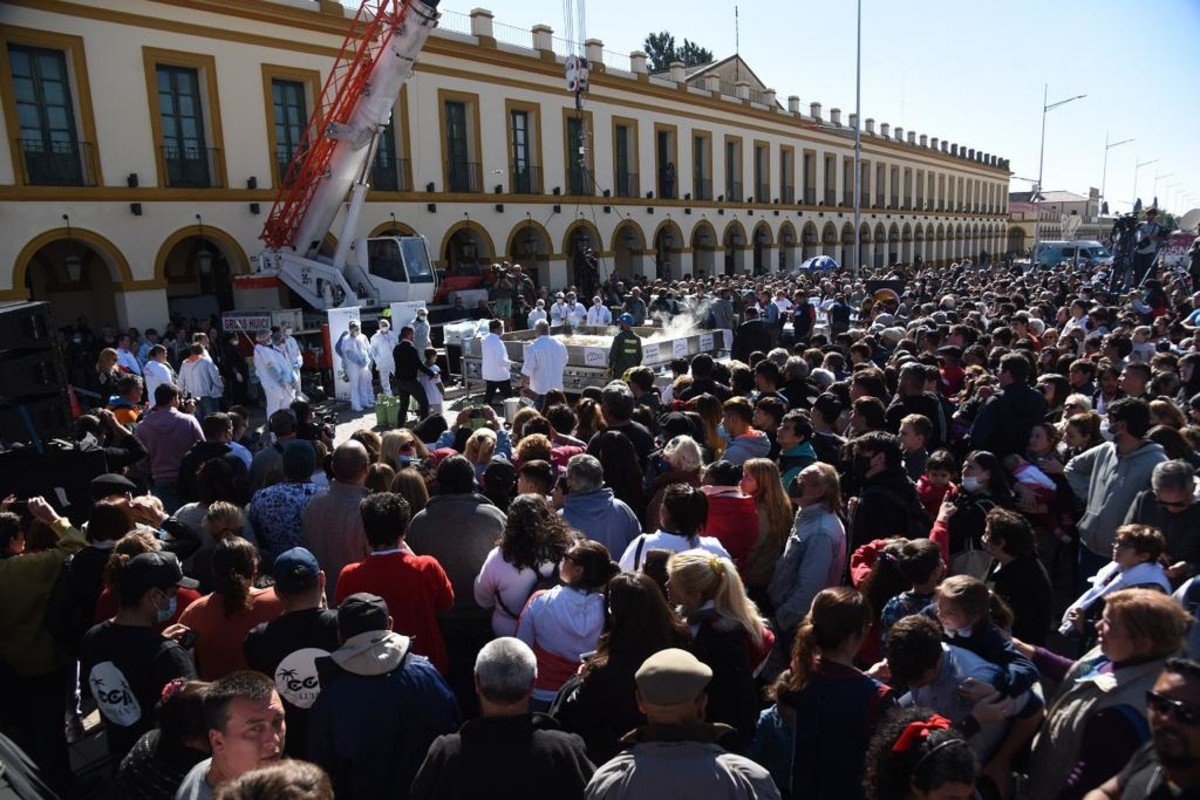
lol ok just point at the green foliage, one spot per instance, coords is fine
(661, 51)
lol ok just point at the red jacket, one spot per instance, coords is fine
(732, 520)
(932, 497)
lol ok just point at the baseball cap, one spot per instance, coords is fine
(360, 613)
(672, 676)
(295, 570)
(157, 570)
(625, 319)
(110, 484)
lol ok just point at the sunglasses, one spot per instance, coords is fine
(1184, 713)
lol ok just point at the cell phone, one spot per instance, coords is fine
(188, 638)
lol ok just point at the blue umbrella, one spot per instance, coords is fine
(819, 263)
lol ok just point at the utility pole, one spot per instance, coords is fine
(858, 144)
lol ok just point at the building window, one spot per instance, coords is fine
(291, 118)
(830, 179)
(810, 178)
(762, 172)
(522, 156)
(186, 153)
(733, 170)
(48, 138)
(702, 166)
(787, 175)
(458, 160)
(390, 172)
(625, 177)
(665, 150)
(579, 173)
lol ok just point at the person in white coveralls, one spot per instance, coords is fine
(382, 344)
(274, 372)
(599, 314)
(355, 351)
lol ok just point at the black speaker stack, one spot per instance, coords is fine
(34, 406)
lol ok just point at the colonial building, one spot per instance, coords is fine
(146, 139)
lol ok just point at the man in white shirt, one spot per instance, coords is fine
(496, 366)
(558, 311)
(545, 361)
(539, 312)
(382, 344)
(599, 314)
(157, 371)
(576, 311)
(200, 378)
(126, 360)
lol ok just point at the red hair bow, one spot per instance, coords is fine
(915, 732)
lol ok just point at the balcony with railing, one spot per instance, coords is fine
(879, 200)
(392, 176)
(830, 197)
(464, 176)
(848, 199)
(527, 179)
(702, 188)
(762, 193)
(192, 167)
(895, 201)
(579, 181)
(57, 163)
(907, 204)
(627, 185)
(667, 185)
(810, 196)
(733, 191)
(787, 195)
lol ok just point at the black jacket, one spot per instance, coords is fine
(408, 361)
(751, 335)
(207, 451)
(1182, 530)
(602, 707)
(1024, 584)
(1005, 421)
(887, 505)
(503, 758)
(927, 406)
(732, 695)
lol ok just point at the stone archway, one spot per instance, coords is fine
(787, 247)
(78, 271)
(829, 240)
(808, 239)
(197, 264)
(628, 249)
(466, 248)
(846, 258)
(734, 242)
(862, 256)
(668, 244)
(704, 247)
(906, 238)
(879, 251)
(762, 241)
(919, 243)
(1016, 241)
(939, 243)
(529, 245)
(580, 237)
(893, 240)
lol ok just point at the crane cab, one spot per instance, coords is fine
(397, 268)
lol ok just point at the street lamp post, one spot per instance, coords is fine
(1037, 197)
(1158, 178)
(1136, 170)
(1104, 172)
(858, 141)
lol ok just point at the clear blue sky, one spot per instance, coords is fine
(971, 72)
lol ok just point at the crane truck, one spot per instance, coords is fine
(334, 161)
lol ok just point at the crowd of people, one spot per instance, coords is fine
(935, 536)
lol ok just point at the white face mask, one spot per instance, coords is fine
(971, 483)
(164, 614)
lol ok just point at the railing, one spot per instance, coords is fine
(192, 167)
(848, 199)
(454, 21)
(579, 181)
(614, 60)
(810, 196)
(907, 204)
(830, 197)
(393, 177)
(733, 191)
(895, 203)
(527, 179)
(59, 164)
(464, 176)
(702, 188)
(667, 185)
(762, 193)
(627, 185)
(787, 195)
(511, 34)
(879, 201)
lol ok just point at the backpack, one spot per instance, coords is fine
(540, 584)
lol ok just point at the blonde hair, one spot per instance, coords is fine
(395, 441)
(106, 360)
(480, 446)
(709, 409)
(131, 544)
(832, 499)
(683, 454)
(1151, 616)
(223, 520)
(771, 500)
(711, 577)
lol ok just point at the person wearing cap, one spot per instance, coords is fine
(383, 342)
(677, 754)
(380, 708)
(420, 326)
(276, 512)
(1148, 239)
(598, 314)
(286, 648)
(355, 352)
(125, 660)
(507, 752)
(274, 372)
(626, 350)
(538, 313)
(558, 311)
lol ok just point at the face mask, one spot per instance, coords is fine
(971, 483)
(404, 460)
(164, 614)
(724, 434)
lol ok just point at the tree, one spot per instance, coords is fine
(661, 51)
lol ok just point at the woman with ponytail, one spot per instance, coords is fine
(564, 622)
(916, 755)
(834, 706)
(223, 618)
(728, 634)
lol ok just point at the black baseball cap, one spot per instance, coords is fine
(110, 484)
(157, 570)
(360, 613)
(295, 570)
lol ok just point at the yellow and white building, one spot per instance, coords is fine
(144, 140)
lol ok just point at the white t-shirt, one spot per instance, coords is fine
(545, 361)
(635, 553)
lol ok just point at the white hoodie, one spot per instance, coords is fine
(498, 577)
(560, 624)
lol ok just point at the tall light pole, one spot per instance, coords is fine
(1046, 107)
(1167, 190)
(1104, 172)
(858, 140)
(1136, 170)
(1158, 178)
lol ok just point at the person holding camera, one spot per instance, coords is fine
(1148, 239)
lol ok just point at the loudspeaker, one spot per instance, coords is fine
(34, 372)
(63, 477)
(49, 416)
(25, 326)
